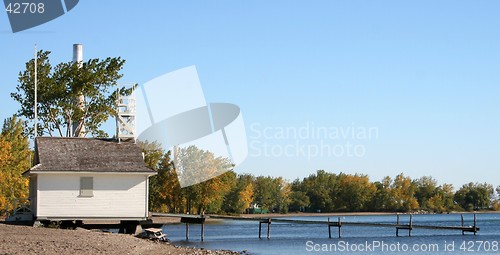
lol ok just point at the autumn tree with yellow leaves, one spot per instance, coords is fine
(194, 165)
(240, 198)
(14, 160)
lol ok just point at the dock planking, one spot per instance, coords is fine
(339, 224)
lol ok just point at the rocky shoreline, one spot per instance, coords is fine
(29, 240)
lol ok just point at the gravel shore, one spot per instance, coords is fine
(30, 240)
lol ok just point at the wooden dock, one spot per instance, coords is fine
(200, 219)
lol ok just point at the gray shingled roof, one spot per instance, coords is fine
(87, 155)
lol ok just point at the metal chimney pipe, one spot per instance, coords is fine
(77, 53)
(78, 127)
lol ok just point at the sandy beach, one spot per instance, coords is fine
(30, 240)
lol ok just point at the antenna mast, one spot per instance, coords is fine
(36, 96)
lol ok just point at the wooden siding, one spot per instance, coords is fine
(114, 196)
(33, 193)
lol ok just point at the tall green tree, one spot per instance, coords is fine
(474, 196)
(299, 201)
(355, 192)
(383, 199)
(60, 87)
(241, 195)
(264, 192)
(442, 200)
(272, 194)
(496, 203)
(426, 189)
(403, 191)
(321, 189)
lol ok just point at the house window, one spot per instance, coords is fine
(86, 186)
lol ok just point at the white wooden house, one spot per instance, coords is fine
(88, 179)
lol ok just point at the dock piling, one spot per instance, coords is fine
(462, 215)
(337, 224)
(401, 226)
(260, 228)
(269, 228)
(474, 229)
(202, 232)
(340, 226)
(397, 223)
(411, 225)
(194, 220)
(329, 229)
(475, 224)
(268, 221)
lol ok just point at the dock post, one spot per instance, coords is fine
(462, 215)
(187, 231)
(202, 232)
(397, 223)
(260, 228)
(411, 225)
(203, 225)
(269, 228)
(268, 221)
(329, 229)
(340, 227)
(475, 224)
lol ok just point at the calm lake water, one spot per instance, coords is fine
(311, 239)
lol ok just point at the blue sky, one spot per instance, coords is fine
(425, 74)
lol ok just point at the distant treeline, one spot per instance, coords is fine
(319, 192)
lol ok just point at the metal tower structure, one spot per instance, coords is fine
(125, 119)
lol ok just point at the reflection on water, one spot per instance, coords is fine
(306, 239)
